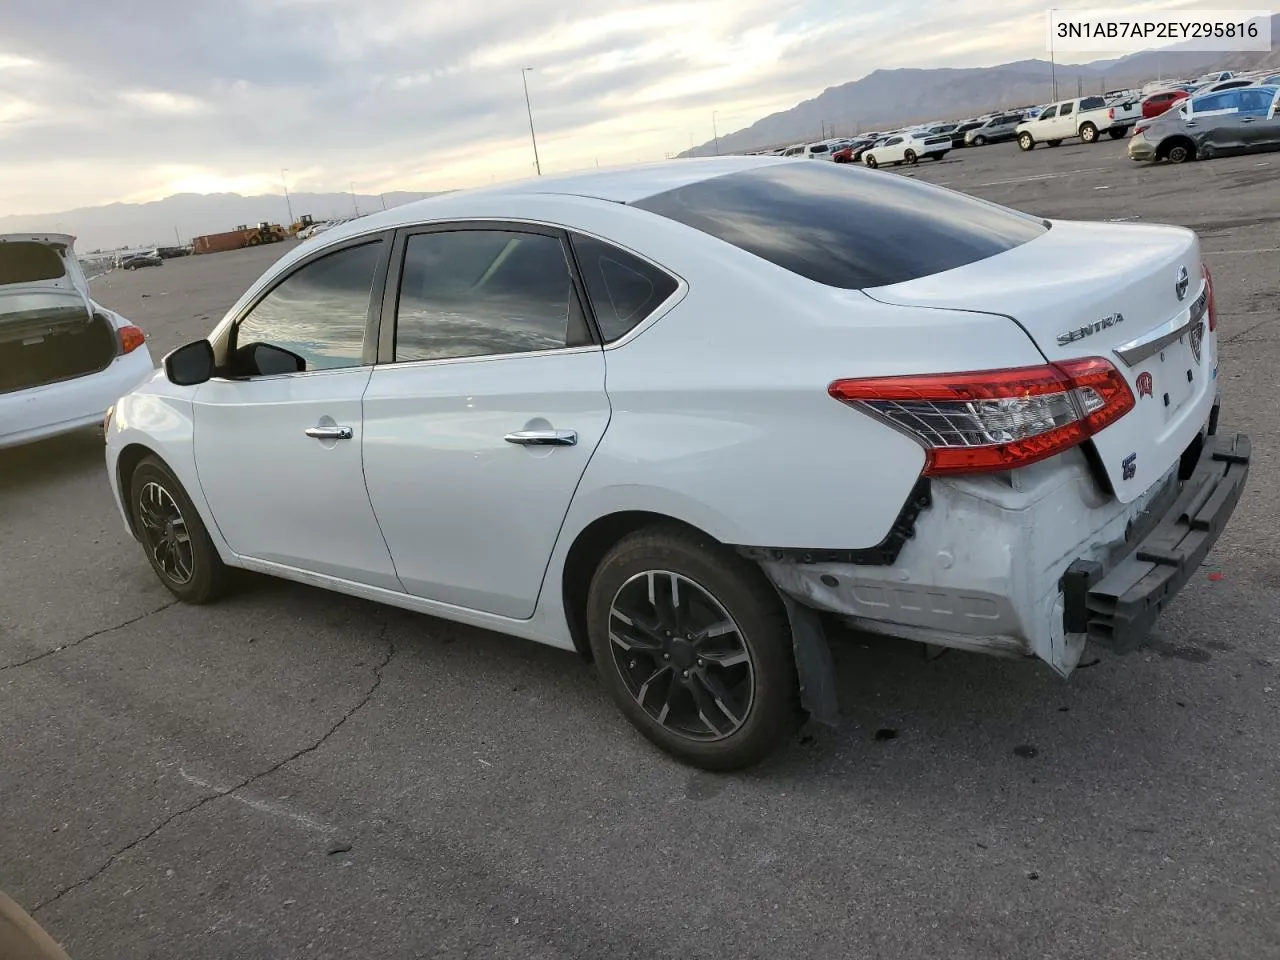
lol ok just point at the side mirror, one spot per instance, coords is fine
(191, 364)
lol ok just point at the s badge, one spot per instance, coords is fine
(1129, 466)
(1145, 386)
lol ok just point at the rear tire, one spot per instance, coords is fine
(1179, 153)
(1088, 133)
(1026, 141)
(979, 141)
(694, 645)
(1054, 143)
(910, 157)
(871, 162)
(176, 542)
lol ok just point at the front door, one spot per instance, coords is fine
(479, 428)
(278, 453)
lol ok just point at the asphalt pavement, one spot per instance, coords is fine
(296, 774)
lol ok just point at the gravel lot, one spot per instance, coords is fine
(292, 773)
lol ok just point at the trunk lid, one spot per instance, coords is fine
(42, 288)
(1104, 290)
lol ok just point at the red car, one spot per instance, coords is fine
(1158, 103)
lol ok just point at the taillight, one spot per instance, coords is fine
(990, 420)
(131, 338)
(1111, 114)
(1140, 129)
(1209, 306)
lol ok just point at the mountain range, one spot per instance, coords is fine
(885, 99)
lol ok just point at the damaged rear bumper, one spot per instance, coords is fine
(1116, 602)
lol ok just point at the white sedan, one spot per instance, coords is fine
(908, 148)
(667, 416)
(64, 359)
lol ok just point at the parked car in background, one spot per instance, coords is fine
(959, 134)
(1243, 120)
(908, 148)
(1270, 81)
(64, 359)
(852, 152)
(993, 130)
(795, 150)
(136, 261)
(1232, 84)
(1158, 103)
(1083, 117)
(416, 411)
(818, 151)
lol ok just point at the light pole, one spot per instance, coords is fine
(714, 132)
(288, 205)
(354, 206)
(524, 78)
(1053, 68)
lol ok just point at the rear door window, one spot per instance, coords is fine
(1066, 109)
(844, 226)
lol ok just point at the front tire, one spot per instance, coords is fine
(979, 141)
(1054, 143)
(174, 538)
(693, 644)
(871, 162)
(1117, 133)
(910, 157)
(1026, 141)
(1088, 133)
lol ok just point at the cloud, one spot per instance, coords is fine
(136, 98)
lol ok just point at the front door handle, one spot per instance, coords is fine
(329, 433)
(543, 438)
(1247, 119)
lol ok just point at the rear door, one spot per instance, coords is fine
(1259, 124)
(484, 409)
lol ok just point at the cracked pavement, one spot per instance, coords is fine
(290, 773)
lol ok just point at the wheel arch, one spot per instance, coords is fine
(126, 463)
(588, 549)
(1162, 152)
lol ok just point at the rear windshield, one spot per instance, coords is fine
(23, 261)
(844, 226)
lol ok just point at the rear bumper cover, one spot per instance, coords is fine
(1116, 602)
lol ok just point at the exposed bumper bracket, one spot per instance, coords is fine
(815, 668)
(1116, 603)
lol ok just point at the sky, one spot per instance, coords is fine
(134, 100)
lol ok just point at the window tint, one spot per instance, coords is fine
(1092, 103)
(320, 311)
(893, 141)
(843, 225)
(24, 261)
(1065, 109)
(1215, 101)
(1049, 114)
(623, 289)
(1254, 102)
(473, 293)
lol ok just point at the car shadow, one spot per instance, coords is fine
(907, 714)
(31, 465)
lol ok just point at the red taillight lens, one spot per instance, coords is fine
(1111, 114)
(1209, 306)
(131, 338)
(1140, 129)
(990, 420)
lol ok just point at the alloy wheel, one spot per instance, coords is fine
(681, 656)
(165, 532)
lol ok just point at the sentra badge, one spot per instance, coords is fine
(1079, 333)
(1145, 386)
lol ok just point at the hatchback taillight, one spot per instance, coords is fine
(990, 420)
(131, 338)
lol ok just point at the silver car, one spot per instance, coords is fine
(993, 130)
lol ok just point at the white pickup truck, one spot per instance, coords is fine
(1083, 117)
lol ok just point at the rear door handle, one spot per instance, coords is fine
(1247, 119)
(543, 438)
(329, 433)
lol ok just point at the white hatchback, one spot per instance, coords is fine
(64, 359)
(670, 416)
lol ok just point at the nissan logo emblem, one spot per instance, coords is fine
(1181, 284)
